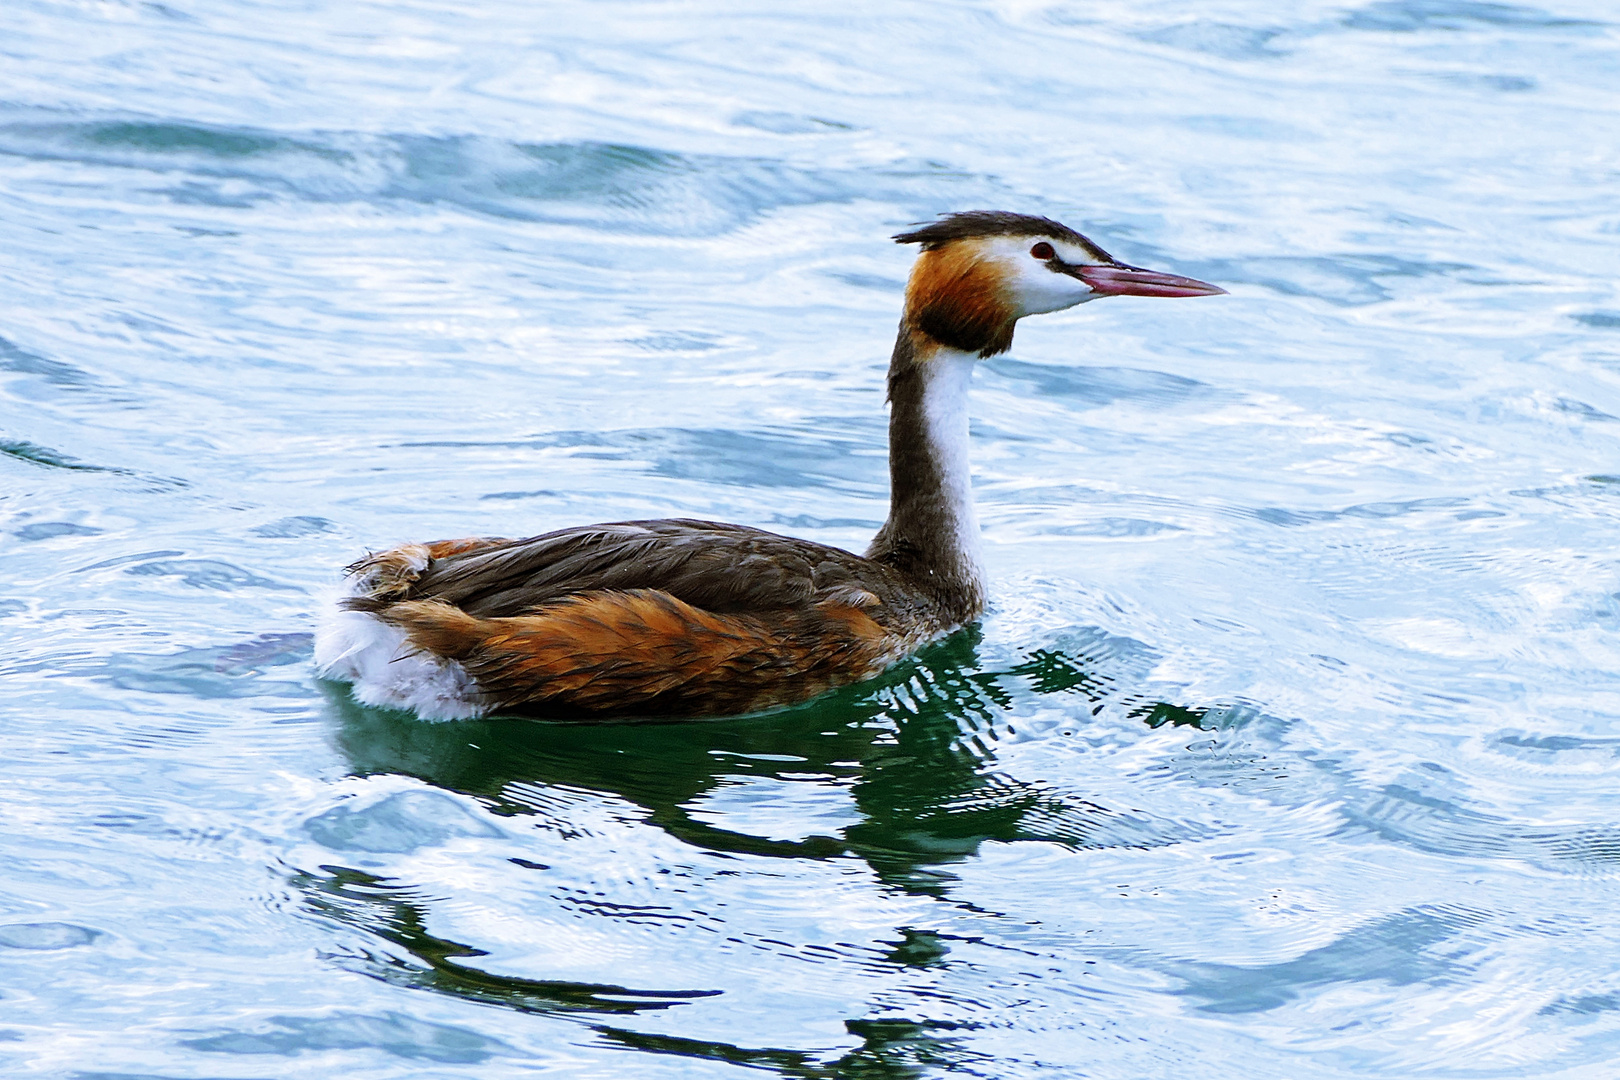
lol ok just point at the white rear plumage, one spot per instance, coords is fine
(358, 648)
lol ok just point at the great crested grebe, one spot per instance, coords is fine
(692, 618)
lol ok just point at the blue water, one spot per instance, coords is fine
(1290, 749)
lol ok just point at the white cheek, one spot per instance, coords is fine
(1040, 290)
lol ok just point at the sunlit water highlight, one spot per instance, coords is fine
(1290, 748)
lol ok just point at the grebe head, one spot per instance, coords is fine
(982, 270)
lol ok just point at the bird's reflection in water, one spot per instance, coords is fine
(913, 750)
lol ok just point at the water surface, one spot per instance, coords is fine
(1289, 748)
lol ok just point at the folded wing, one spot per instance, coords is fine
(641, 617)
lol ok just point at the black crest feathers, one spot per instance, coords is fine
(966, 224)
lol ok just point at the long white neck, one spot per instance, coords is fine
(946, 380)
(932, 533)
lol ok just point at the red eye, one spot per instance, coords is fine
(1043, 251)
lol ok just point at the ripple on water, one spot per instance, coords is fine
(34, 454)
(205, 574)
(598, 184)
(767, 458)
(41, 379)
(1436, 825)
(1228, 41)
(45, 936)
(1401, 950)
(398, 824)
(1097, 385)
(397, 1034)
(212, 672)
(295, 527)
(51, 530)
(1414, 16)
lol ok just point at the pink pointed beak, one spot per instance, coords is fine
(1134, 281)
